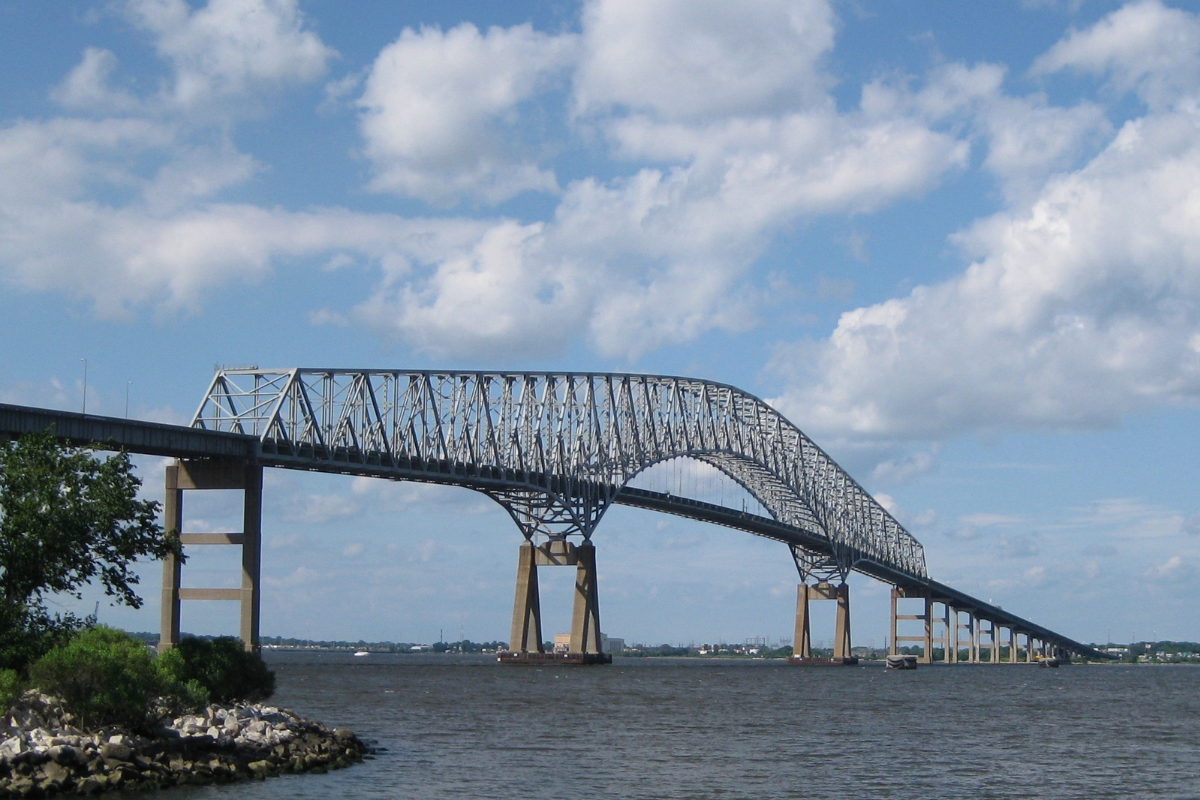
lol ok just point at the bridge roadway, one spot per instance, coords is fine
(200, 445)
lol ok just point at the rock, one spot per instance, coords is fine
(115, 751)
(67, 755)
(57, 773)
(89, 785)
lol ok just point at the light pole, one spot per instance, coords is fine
(127, 385)
(84, 360)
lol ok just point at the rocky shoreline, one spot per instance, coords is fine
(42, 754)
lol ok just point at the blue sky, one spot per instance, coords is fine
(957, 244)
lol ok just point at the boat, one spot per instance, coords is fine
(901, 662)
(360, 653)
(1048, 661)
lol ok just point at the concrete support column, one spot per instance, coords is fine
(251, 556)
(172, 565)
(802, 641)
(927, 656)
(952, 635)
(893, 647)
(585, 622)
(841, 637)
(1014, 645)
(527, 608)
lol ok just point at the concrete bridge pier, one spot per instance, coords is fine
(208, 474)
(966, 635)
(525, 643)
(802, 641)
(925, 617)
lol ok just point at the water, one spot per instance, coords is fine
(466, 727)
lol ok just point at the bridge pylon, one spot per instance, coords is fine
(525, 643)
(824, 569)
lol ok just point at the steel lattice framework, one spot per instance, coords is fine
(556, 449)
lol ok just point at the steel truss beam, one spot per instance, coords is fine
(555, 448)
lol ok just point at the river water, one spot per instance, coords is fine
(466, 727)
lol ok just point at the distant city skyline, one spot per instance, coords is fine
(957, 244)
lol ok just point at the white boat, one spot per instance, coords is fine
(361, 653)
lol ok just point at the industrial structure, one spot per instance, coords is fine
(555, 450)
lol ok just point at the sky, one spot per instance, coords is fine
(958, 244)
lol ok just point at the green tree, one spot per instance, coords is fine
(66, 519)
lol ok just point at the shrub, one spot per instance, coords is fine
(223, 668)
(179, 692)
(11, 687)
(103, 676)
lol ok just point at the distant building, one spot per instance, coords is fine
(608, 644)
(611, 644)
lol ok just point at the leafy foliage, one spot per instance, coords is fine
(11, 687)
(103, 676)
(222, 667)
(66, 518)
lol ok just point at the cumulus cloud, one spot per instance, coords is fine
(708, 58)
(439, 111)
(230, 49)
(1144, 47)
(1076, 311)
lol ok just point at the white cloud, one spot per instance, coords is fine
(899, 471)
(1144, 47)
(707, 58)
(439, 111)
(315, 509)
(230, 49)
(1076, 312)
(352, 550)
(1173, 569)
(87, 88)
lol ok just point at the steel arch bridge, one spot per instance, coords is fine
(556, 449)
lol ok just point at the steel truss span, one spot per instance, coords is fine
(557, 449)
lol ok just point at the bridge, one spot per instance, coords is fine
(555, 450)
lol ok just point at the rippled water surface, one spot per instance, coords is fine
(471, 728)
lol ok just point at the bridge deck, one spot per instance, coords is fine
(151, 438)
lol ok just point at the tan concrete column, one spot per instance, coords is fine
(841, 640)
(585, 622)
(168, 630)
(894, 648)
(1014, 640)
(952, 635)
(251, 556)
(527, 608)
(802, 641)
(927, 657)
